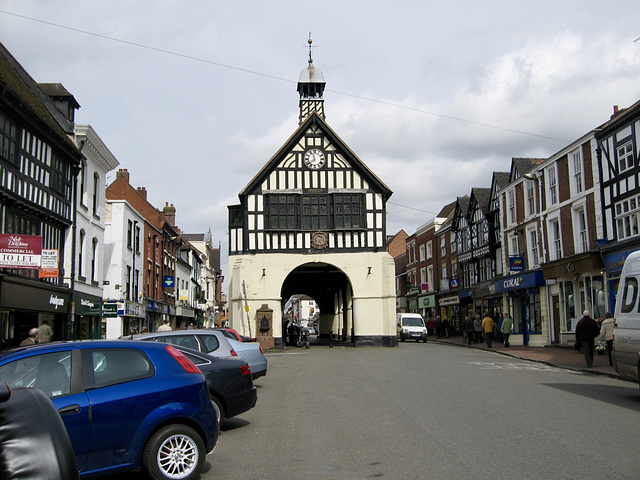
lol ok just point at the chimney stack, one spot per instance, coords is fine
(142, 191)
(169, 214)
(123, 173)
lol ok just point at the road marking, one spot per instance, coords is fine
(515, 366)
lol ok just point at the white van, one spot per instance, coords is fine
(626, 342)
(411, 325)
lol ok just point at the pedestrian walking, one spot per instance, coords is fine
(487, 328)
(587, 330)
(606, 334)
(32, 339)
(468, 327)
(430, 326)
(438, 327)
(165, 327)
(506, 328)
(446, 326)
(46, 332)
(477, 329)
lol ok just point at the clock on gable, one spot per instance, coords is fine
(314, 158)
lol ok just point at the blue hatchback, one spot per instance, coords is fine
(126, 405)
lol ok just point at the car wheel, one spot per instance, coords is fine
(424, 339)
(220, 415)
(175, 452)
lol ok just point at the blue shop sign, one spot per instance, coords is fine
(516, 264)
(613, 262)
(520, 282)
(169, 281)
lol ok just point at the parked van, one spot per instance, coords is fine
(411, 325)
(626, 349)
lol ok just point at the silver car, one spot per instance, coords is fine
(213, 342)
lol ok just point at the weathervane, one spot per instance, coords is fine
(310, 46)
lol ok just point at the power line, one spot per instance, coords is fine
(274, 77)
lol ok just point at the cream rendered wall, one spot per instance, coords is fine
(373, 300)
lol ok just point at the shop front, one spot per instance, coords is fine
(574, 285)
(25, 304)
(450, 308)
(186, 316)
(485, 299)
(87, 322)
(427, 306)
(129, 318)
(158, 311)
(524, 304)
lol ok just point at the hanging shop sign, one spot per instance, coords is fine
(428, 301)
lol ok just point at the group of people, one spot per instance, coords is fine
(439, 327)
(476, 327)
(588, 330)
(43, 334)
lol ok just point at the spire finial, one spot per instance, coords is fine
(310, 42)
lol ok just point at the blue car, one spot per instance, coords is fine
(126, 405)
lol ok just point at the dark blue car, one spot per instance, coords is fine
(126, 405)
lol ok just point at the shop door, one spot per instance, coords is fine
(555, 305)
(524, 316)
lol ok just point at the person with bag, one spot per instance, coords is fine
(587, 330)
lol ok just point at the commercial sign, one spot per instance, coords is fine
(520, 282)
(169, 281)
(516, 264)
(49, 264)
(428, 301)
(20, 251)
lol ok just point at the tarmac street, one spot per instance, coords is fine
(429, 411)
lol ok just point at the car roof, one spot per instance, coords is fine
(75, 344)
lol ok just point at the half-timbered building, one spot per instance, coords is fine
(619, 168)
(312, 221)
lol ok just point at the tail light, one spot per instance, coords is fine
(233, 353)
(245, 370)
(184, 362)
(261, 351)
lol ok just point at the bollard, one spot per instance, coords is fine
(330, 338)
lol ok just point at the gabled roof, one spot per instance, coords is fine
(341, 146)
(28, 100)
(522, 166)
(462, 208)
(481, 196)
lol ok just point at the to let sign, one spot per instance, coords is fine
(20, 251)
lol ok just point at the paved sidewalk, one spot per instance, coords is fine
(563, 357)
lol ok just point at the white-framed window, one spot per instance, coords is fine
(94, 260)
(627, 217)
(454, 270)
(444, 273)
(443, 246)
(555, 239)
(430, 277)
(581, 235)
(453, 242)
(429, 249)
(423, 275)
(552, 185)
(530, 193)
(81, 254)
(576, 172)
(511, 206)
(514, 250)
(422, 253)
(532, 247)
(625, 157)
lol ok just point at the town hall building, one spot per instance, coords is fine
(313, 221)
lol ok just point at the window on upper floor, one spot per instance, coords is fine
(430, 284)
(429, 249)
(581, 236)
(511, 206)
(96, 194)
(94, 260)
(627, 217)
(423, 275)
(444, 273)
(552, 185)
(454, 270)
(422, 254)
(81, 179)
(81, 253)
(625, 157)
(452, 242)
(514, 250)
(9, 133)
(315, 212)
(530, 192)
(59, 173)
(532, 247)
(555, 239)
(443, 246)
(576, 172)
(129, 234)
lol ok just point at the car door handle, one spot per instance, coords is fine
(69, 409)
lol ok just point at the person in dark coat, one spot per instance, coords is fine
(468, 326)
(587, 330)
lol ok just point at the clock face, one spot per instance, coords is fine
(314, 158)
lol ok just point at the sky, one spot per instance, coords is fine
(193, 97)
